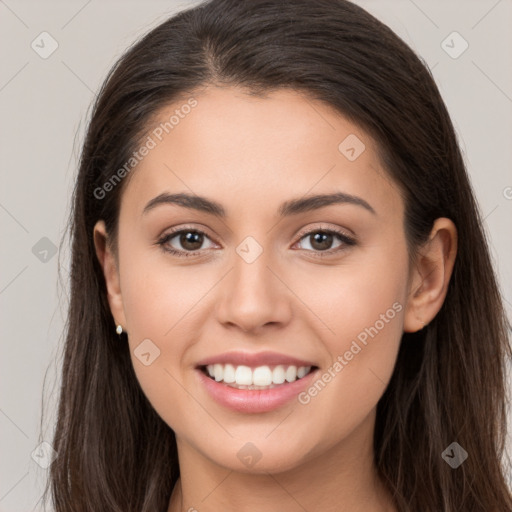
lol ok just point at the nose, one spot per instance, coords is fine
(254, 295)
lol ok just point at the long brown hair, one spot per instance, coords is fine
(114, 453)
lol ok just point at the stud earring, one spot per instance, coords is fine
(119, 329)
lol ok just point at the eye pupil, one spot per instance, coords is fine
(193, 238)
(322, 241)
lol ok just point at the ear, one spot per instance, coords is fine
(110, 271)
(431, 275)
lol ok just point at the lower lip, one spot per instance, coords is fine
(254, 400)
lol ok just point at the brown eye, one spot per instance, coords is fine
(191, 240)
(321, 240)
(185, 242)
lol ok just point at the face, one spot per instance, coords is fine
(266, 283)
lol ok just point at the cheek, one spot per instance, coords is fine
(159, 296)
(363, 298)
(363, 306)
(161, 305)
(164, 308)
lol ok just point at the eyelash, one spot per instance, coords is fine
(345, 239)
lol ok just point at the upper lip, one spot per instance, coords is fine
(254, 359)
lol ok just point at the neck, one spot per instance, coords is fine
(342, 478)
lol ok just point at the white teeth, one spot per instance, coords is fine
(243, 376)
(218, 372)
(229, 374)
(291, 373)
(262, 376)
(278, 375)
(256, 378)
(301, 372)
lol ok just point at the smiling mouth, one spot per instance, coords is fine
(258, 378)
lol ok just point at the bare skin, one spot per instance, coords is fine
(250, 155)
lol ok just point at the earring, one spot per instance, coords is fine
(119, 329)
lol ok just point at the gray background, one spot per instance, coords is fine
(44, 104)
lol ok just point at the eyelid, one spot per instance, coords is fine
(327, 227)
(199, 228)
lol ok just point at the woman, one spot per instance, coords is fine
(281, 293)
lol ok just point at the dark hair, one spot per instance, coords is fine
(114, 452)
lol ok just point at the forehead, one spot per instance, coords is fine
(245, 150)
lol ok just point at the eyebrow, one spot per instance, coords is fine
(291, 207)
